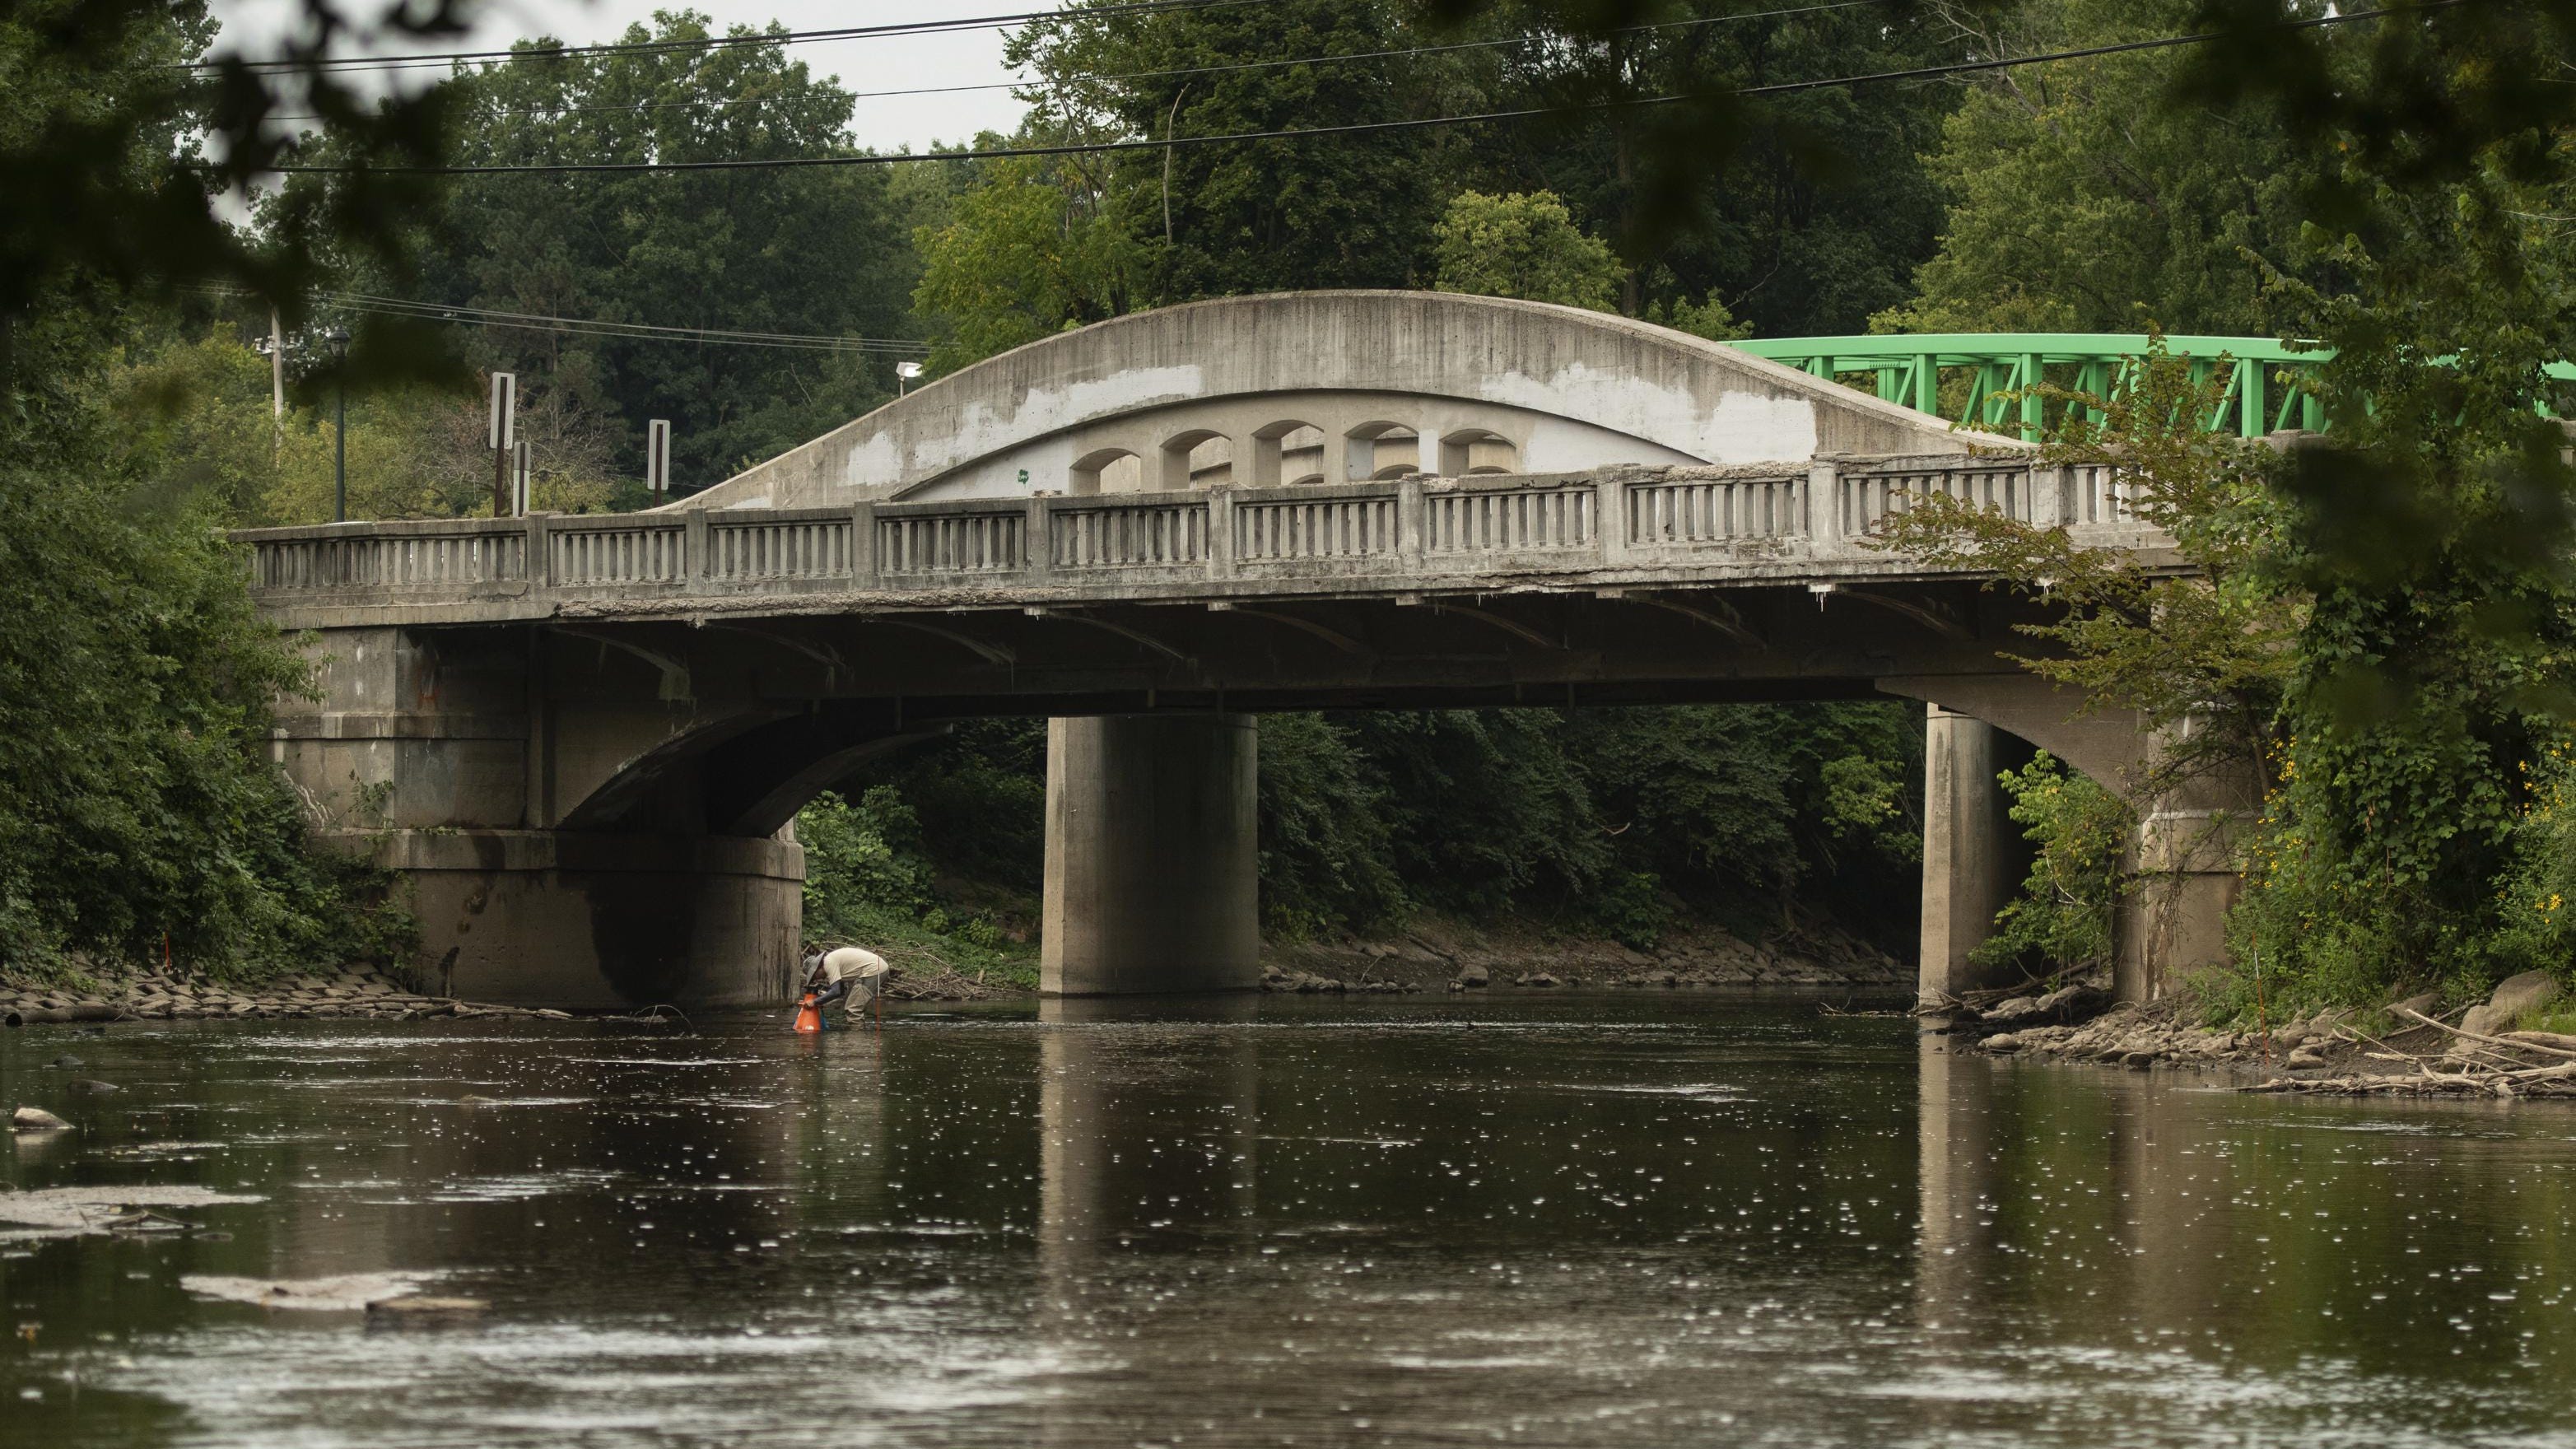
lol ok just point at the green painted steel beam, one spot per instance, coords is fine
(1906, 369)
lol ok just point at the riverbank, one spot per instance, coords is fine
(1436, 954)
(180, 996)
(1432, 954)
(2404, 1048)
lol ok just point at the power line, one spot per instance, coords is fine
(374, 305)
(1091, 148)
(712, 42)
(1202, 70)
(634, 332)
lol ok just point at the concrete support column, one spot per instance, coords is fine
(2181, 869)
(1151, 856)
(1973, 857)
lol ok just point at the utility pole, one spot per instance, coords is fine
(505, 433)
(339, 340)
(276, 368)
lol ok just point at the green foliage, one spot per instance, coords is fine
(1865, 799)
(1523, 245)
(2064, 917)
(203, 410)
(1707, 318)
(1327, 850)
(1030, 248)
(860, 855)
(2086, 191)
(810, 250)
(136, 797)
(869, 882)
(1283, 215)
(114, 144)
(1806, 212)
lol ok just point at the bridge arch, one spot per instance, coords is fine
(1564, 388)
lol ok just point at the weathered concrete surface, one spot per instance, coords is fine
(1973, 854)
(588, 922)
(1564, 387)
(1152, 862)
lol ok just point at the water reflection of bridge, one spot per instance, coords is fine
(581, 738)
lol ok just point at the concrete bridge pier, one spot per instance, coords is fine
(1152, 867)
(1974, 856)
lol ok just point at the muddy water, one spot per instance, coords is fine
(1561, 1221)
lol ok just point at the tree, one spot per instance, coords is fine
(1523, 245)
(808, 251)
(1261, 216)
(137, 801)
(1804, 213)
(1030, 249)
(2085, 194)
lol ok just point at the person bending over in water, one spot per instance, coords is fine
(847, 975)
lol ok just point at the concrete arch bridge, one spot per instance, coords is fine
(583, 738)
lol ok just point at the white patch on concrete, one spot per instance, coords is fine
(1751, 428)
(1743, 427)
(1562, 445)
(875, 461)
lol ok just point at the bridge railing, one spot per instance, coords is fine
(1407, 532)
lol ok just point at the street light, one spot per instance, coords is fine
(904, 373)
(338, 337)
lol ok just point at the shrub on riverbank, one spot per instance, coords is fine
(138, 804)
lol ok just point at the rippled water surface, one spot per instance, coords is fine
(1551, 1221)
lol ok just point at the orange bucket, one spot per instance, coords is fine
(809, 1017)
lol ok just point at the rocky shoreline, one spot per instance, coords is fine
(1438, 955)
(177, 996)
(2401, 1049)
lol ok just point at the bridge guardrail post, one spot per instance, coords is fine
(1818, 517)
(540, 562)
(1220, 533)
(1037, 540)
(863, 546)
(1610, 520)
(1408, 521)
(697, 549)
(2048, 497)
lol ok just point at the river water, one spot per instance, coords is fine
(1543, 1220)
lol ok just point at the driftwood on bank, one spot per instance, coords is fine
(2476, 1065)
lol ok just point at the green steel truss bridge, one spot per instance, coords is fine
(1971, 378)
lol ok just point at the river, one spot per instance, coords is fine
(1542, 1220)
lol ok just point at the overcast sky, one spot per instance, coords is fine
(905, 62)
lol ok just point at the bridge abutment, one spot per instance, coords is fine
(598, 921)
(1152, 866)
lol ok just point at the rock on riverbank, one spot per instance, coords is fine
(154, 996)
